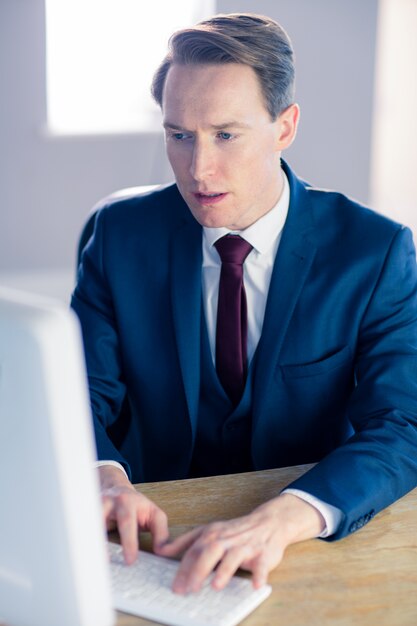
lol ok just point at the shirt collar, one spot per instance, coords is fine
(262, 233)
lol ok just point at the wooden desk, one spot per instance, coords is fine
(368, 578)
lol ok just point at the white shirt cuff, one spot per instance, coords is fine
(332, 515)
(114, 463)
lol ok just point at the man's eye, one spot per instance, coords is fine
(178, 136)
(225, 136)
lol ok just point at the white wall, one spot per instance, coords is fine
(49, 184)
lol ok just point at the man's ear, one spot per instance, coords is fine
(287, 123)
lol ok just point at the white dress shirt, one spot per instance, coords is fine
(264, 235)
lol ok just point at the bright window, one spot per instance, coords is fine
(394, 155)
(101, 56)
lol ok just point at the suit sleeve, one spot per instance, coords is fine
(92, 302)
(378, 464)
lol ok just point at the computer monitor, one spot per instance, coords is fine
(53, 562)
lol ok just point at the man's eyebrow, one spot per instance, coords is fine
(230, 125)
(172, 126)
(223, 126)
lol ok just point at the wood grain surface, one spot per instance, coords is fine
(368, 578)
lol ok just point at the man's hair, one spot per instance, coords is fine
(246, 38)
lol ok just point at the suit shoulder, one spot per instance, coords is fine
(130, 207)
(350, 215)
(136, 219)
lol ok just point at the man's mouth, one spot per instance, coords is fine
(209, 198)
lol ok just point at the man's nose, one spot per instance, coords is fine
(203, 161)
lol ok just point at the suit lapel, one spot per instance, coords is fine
(292, 265)
(186, 261)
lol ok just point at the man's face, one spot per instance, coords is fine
(221, 143)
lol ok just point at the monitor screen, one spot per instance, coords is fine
(53, 562)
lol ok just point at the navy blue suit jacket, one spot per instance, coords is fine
(336, 374)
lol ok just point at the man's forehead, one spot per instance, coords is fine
(221, 93)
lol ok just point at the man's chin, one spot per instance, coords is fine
(210, 221)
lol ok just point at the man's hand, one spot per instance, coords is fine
(255, 542)
(129, 511)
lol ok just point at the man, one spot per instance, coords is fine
(324, 344)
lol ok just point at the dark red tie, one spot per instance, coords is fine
(232, 322)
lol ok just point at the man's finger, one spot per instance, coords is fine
(231, 562)
(158, 526)
(107, 506)
(261, 568)
(178, 545)
(128, 530)
(197, 563)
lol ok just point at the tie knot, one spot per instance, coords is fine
(233, 249)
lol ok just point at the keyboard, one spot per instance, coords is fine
(144, 589)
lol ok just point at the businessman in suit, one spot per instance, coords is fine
(302, 350)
